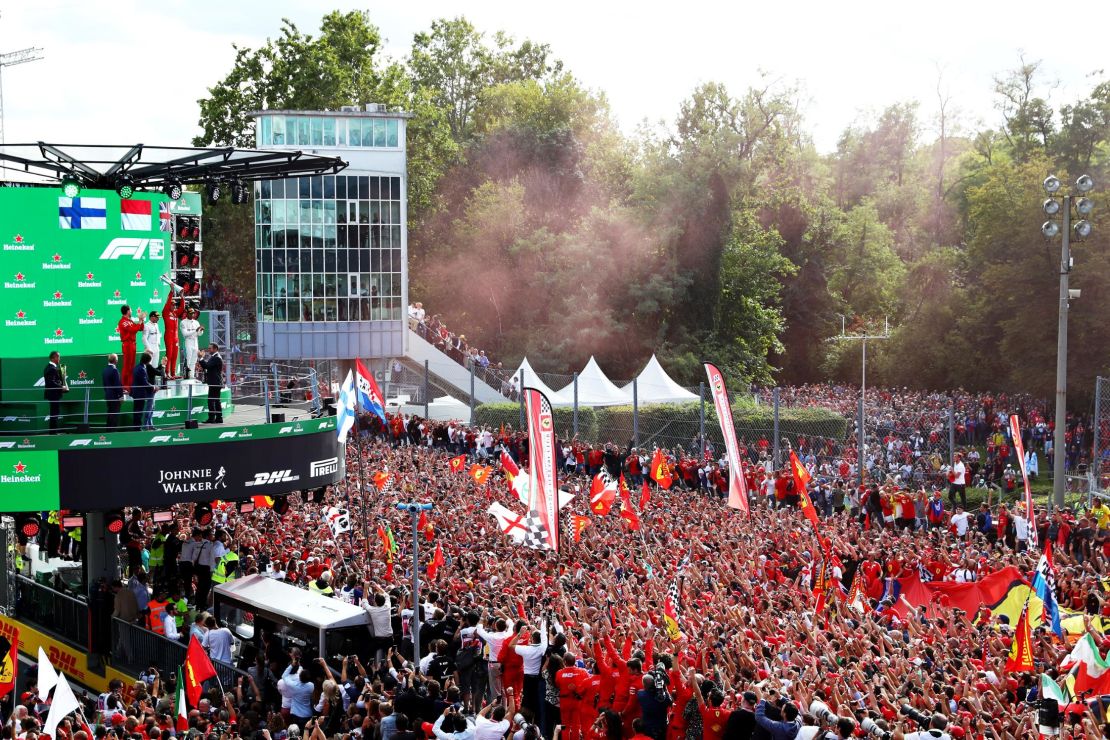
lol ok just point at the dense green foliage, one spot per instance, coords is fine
(540, 229)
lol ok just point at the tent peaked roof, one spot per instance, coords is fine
(653, 385)
(531, 380)
(594, 389)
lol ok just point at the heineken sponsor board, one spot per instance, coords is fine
(68, 264)
(159, 469)
(28, 480)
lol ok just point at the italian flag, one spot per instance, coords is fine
(181, 708)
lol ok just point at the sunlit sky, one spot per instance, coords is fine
(125, 71)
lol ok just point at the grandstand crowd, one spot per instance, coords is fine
(697, 623)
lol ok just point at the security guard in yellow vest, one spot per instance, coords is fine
(181, 606)
(227, 567)
(157, 551)
(322, 585)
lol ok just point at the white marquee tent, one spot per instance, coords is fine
(594, 389)
(653, 385)
(531, 380)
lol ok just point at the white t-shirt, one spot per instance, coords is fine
(1021, 527)
(487, 729)
(218, 642)
(959, 473)
(961, 520)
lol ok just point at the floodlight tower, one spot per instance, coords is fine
(12, 58)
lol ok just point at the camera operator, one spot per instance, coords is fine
(826, 725)
(787, 729)
(654, 700)
(933, 727)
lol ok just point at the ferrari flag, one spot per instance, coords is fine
(542, 465)
(737, 489)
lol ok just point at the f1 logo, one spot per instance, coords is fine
(285, 430)
(160, 438)
(5, 445)
(80, 443)
(228, 435)
(125, 247)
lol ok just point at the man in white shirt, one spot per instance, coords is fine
(169, 622)
(217, 641)
(1021, 530)
(959, 482)
(533, 662)
(491, 725)
(381, 612)
(493, 641)
(961, 519)
(190, 330)
(152, 338)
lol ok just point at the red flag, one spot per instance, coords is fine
(628, 514)
(520, 611)
(437, 562)
(1021, 651)
(198, 669)
(425, 526)
(580, 522)
(645, 495)
(389, 571)
(263, 502)
(603, 492)
(480, 473)
(422, 522)
(457, 464)
(820, 606)
(660, 470)
(801, 479)
(380, 479)
(9, 662)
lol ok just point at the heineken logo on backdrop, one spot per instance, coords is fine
(58, 337)
(117, 299)
(20, 320)
(90, 281)
(57, 301)
(21, 473)
(20, 281)
(18, 244)
(154, 298)
(81, 379)
(90, 317)
(26, 444)
(56, 263)
(138, 282)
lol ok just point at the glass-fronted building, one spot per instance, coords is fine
(331, 251)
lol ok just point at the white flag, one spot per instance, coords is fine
(64, 703)
(345, 412)
(339, 521)
(48, 677)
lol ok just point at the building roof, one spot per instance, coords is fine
(294, 603)
(359, 113)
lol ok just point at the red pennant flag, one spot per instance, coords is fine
(645, 495)
(422, 522)
(520, 611)
(603, 492)
(480, 473)
(457, 464)
(380, 479)
(805, 503)
(425, 526)
(820, 607)
(660, 470)
(580, 522)
(389, 571)
(437, 562)
(1021, 651)
(263, 502)
(198, 669)
(628, 514)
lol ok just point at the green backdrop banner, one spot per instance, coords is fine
(28, 480)
(68, 264)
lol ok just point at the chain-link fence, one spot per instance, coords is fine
(1100, 448)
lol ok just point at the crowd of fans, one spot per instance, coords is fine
(525, 643)
(459, 349)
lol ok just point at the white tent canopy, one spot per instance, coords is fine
(444, 408)
(594, 389)
(653, 385)
(531, 380)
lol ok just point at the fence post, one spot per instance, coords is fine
(861, 443)
(427, 390)
(520, 395)
(471, 393)
(635, 415)
(265, 397)
(277, 385)
(575, 382)
(952, 433)
(701, 416)
(189, 401)
(776, 452)
(85, 420)
(1095, 475)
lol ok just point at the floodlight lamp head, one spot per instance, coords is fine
(1082, 229)
(1051, 184)
(172, 188)
(1051, 206)
(71, 186)
(1084, 206)
(125, 186)
(1050, 229)
(1084, 183)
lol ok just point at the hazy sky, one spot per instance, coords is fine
(107, 73)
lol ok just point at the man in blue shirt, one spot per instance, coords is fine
(786, 730)
(298, 687)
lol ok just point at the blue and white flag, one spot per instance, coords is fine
(1044, 584)
(82, 213)
(345, 415)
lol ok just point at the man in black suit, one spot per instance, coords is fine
(142, 392)
(113, 392)
(55, 387)
(213, 366)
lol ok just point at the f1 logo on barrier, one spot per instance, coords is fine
(285, 430)
(276, 476)
(80, 443)
(125, 247)
(161, 438)
(228, 435)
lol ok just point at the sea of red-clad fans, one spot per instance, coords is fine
(697, 622)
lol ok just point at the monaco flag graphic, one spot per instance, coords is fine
(134, 215)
